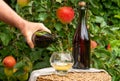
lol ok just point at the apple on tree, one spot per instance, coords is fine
(9, 61)
(65, 14)
(93, 44)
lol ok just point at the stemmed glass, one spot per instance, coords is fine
(62, 62)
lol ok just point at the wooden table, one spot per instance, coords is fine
(48, 74)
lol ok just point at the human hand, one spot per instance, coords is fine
(29, 28)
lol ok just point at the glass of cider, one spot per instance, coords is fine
(62, 62)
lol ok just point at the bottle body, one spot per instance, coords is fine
(42, 39)
(81, 43)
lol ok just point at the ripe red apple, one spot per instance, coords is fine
(65, 14)
(9, 61)
(93, 44)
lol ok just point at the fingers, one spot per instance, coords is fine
(30, 29)
(29, 41)
(43, 28)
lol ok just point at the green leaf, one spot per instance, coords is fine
(115, 43)
(19, 72)
(20, 65)
(35, 55)
(93, 4)
(101, 21)
(5, 38)
(2, 75)
(117, 16)
(42, 16)
(59, 1)
(103, 24)
(58, 26)
(51, 48)
(39, 65)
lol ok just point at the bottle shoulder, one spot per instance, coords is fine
(82, 32)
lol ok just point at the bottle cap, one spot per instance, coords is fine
(82, 3)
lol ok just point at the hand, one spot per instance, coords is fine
(29, 28)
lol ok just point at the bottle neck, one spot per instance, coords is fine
(82, 14)
(83, 24)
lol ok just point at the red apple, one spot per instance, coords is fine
(93, 44)
(9, 61)
(65, 14)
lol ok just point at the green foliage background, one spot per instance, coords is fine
(104, 28)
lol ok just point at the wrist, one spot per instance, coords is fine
(21, 24)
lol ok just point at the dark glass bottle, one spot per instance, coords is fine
(42, 39)
(81, 41)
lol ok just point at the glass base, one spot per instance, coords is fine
(61, 72)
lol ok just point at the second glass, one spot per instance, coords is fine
(62, 62)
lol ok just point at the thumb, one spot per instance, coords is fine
(29, 41)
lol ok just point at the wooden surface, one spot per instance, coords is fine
(77, 76)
